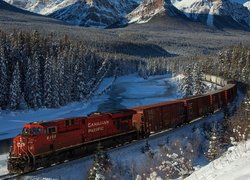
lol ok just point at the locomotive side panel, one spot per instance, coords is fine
(99, 126)
(68, 133)
(104, 125)
(63, 140)
(59, 134)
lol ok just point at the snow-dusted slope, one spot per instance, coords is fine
(234, 164)
(214, 12)
(98, 13)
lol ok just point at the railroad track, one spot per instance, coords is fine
(9, 176)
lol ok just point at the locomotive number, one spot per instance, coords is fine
(51, 137)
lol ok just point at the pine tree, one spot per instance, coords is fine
(55, 87)
(187, 82)
(34, 83)
(48, 91)
(214, 145)
(3, 79)
(81, 86)
(246, 69)
(68, 80)
(15, 89)
(198, 85)
(101, 166)
(62, 79)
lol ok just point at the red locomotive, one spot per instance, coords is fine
(44, 143)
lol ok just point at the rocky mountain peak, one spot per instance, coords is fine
(146, 10)
(113, 13)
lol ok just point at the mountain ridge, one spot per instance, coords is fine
(113, 13)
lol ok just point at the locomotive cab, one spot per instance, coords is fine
(22, 150)
(32, 131)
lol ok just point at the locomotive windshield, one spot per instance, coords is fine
(32, 131)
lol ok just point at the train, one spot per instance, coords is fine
(42, 144)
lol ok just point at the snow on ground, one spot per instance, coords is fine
(127, 91)
(3, 164)
(234, 164)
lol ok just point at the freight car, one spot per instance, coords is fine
(157, 117)
(162, 116)
(44, 143)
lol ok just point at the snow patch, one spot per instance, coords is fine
(234, 164)
(3, 164)
(198, 8)
(247, 4)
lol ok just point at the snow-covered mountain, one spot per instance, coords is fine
(112, 13)
(98, 13)
(247, 4)
(41, 6)
(215, 12)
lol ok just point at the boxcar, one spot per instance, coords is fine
(163, 116)
(197, 106)
(217, 99)
(230, 92)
